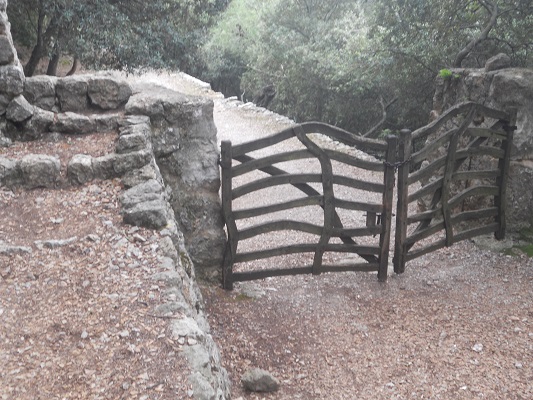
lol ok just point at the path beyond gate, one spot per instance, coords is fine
(449, 188)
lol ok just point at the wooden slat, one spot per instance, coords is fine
(333, 132)
(488, 212)
(277, 180)
(357, 205)
(429, 148)
(259, 163)
(424, 216)
(357, 232)
(471, 175)
(355, 161)
(329, 197)
(248, 147)
(461, 155)
(427, 172)
(269, 273)
(452, 113)
(473, 191)
(461, 217)
(281, 225)
(287, 225)
(426, 190)
(412, 254)
(345, 137)
(358, 184)
(305, 248)
(425, 233)
(486, 132)
(258, 211)
(359, 267)
(458, 237)
(305, 270)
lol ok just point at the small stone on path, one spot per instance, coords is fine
(259, 380)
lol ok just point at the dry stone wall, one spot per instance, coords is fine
(166, 156)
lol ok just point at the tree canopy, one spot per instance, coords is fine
(122, 34)
(359, 64)
(349, 62)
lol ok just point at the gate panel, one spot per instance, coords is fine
(459, 177)
(374, 257)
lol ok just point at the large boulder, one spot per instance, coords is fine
(72, 93)
(41, 91)
(499, 61)
(19, 110)
(38, 125)
(80, 169)
(512, 89)
(11, 84)
(39, 170)
(108, 93)
(70, 122)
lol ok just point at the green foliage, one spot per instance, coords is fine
(118, 34)
(527, 249)
(232, 43)
(334, 61)
(445, 73)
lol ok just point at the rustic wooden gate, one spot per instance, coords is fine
(378, 217)
(459, 177)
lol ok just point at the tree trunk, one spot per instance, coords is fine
(75, 66)
(38, 49)
(54, 62)
(36, 55)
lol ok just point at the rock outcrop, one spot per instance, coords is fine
(185, 147)
(510, 90)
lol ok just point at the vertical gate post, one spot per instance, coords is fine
(231, 244)
(386, 215)
(501, 182)
(404, 157)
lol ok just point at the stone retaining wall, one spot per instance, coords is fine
(166, 156)
(146, 203)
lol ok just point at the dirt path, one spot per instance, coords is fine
(456, 325)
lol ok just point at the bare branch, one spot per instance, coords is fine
(494, 11)
(374, 131)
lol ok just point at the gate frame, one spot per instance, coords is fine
(331, 219)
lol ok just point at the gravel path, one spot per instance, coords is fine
(456, 325)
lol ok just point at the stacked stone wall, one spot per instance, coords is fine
(166, 156)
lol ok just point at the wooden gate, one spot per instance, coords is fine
(378, 215)
(458, 177)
